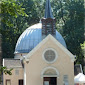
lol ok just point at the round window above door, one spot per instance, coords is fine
(50, 55)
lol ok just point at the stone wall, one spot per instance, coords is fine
(15, 77)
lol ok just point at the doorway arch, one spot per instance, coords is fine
(50, 75)
(50, 72)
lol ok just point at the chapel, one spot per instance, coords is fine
(41, 56)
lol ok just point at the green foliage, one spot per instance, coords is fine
(4, 70)
(10, 8)
(10, 28)
(31, 11)
(83, 48)
(73, 30)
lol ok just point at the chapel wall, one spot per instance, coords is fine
(36, 65)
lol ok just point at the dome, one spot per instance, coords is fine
(31, 37)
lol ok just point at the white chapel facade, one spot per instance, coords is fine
(41, 56)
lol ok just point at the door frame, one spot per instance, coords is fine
(19, 81)
(48, 79)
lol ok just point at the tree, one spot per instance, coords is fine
(10, 10)
(73, 30)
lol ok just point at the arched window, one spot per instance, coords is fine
(50, 72)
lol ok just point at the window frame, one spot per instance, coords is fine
(17, 72)
(56, 55)
(65, 79)
(8, 80)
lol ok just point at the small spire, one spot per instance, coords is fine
(48, 11)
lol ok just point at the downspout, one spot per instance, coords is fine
(24, 62)
(24, 74)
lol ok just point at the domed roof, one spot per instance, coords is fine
(31, 37)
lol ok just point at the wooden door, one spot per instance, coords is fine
(21, 82)
(50, 81)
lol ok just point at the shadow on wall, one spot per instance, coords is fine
(84, 70)
(0, 57)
